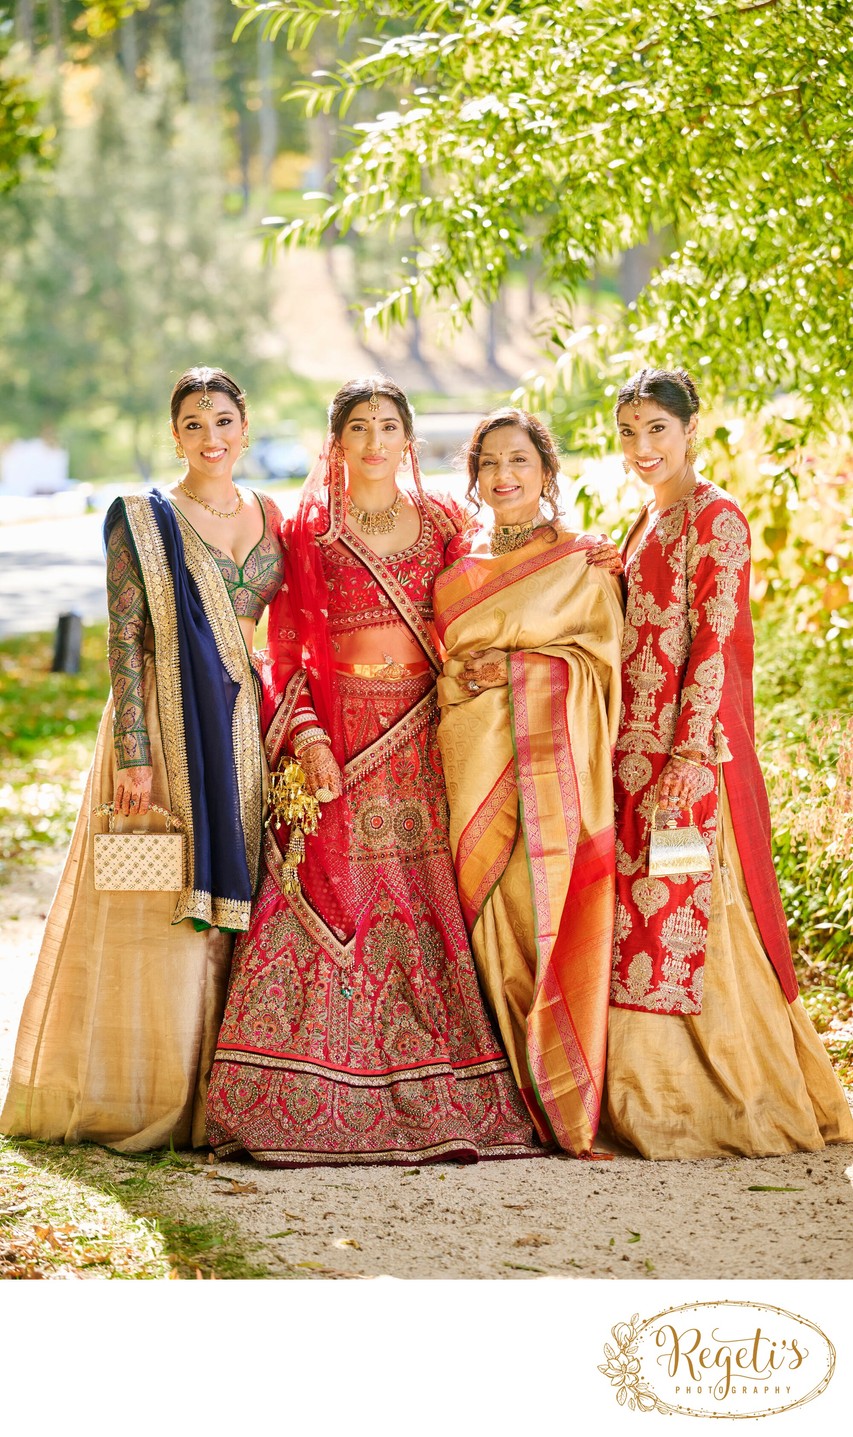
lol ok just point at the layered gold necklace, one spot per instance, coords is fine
(379, 521)
(220, 513)
(506, 537)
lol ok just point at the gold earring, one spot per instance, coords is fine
(244, 443)
(626, 466)
(179, 450)
(692, 449)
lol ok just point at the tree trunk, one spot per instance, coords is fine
(56, 33)
(267, 117)
(24, 21)
(199, 47)
(128, 37)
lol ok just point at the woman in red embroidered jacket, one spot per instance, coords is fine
(355, 1031)
(710, 1050)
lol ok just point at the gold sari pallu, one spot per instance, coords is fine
(529, 782)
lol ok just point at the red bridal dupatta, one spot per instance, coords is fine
(529, 782)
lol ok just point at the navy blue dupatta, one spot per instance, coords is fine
(208, 695)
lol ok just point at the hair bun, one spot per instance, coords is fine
(687, 380)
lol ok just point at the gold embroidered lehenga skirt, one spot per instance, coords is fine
(748, 1075)
(119, 1028)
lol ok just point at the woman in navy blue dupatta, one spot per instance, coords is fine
(118, 1030)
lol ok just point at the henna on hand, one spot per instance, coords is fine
(486, 668)
(680, 783)
(132, 795)
(321, 769)
(605, 555)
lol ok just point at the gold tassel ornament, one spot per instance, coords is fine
(292, 807)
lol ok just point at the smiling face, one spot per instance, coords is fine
(373, 441)
(211, 438)
(510, 475)
(654, 442)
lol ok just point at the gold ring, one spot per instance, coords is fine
(323, 795)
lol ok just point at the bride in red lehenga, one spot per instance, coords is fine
(355, 1031)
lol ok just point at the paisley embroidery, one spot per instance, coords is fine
(688, 583)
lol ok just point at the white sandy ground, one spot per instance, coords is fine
(519, 1219)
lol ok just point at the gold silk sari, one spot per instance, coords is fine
(529, 782)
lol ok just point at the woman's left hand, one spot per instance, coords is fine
(484, 669)
(681, 783)
(605, 555)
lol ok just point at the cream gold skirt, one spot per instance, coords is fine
(119, 1028)
(748, 1075)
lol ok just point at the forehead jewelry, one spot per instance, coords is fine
(373, 401)
(205, 402)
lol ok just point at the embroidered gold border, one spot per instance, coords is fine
(484, 1069)
(277, 731)
(160, 596)
(307, 1157)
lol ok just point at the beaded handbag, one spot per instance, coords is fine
(126, 862)
(676, 849)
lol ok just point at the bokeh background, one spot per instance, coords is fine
(143, 147)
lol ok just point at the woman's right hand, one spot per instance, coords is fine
(133, 791)
(484, 669)
(321, 769)
(605, 555)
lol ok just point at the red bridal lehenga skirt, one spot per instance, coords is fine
(375, 1049)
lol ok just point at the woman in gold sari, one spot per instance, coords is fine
(529, 712)
(118, 1030)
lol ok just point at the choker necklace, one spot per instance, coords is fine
(380, 521)
(506, 537)
(220, 513)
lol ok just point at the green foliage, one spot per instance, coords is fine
(119, 267)
(24, 134)
(573, 129)
(85, 1211)
(47, 735)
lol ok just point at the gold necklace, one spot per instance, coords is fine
(379, 521)
(506, 537)
(220, 513)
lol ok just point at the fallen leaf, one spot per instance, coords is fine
(243, 1187)
(532, 1239)
(287, 1233)
(517, 1206)
(347, 1242)
(211, 1158)
(635, 1236)
(521, 1267)
(296, 1216)
(764, 1188)
(410, 1172)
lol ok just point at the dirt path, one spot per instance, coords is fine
(620, 1219)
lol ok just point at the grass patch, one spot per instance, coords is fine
(48, 725)
(81, 1212)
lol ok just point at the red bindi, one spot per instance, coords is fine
(636, 416)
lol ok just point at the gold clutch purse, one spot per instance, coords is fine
(139, 862)
(676, 849)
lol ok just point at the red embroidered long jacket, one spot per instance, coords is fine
(687, 657)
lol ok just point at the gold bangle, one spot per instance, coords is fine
(692, 761)
(308, 737)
